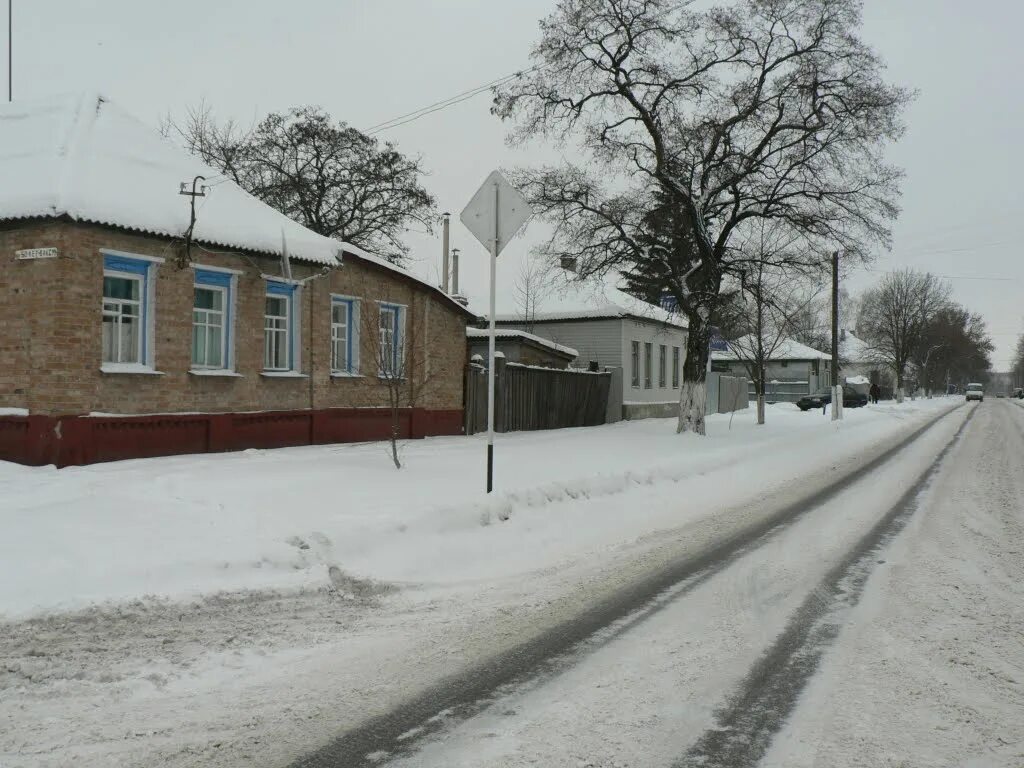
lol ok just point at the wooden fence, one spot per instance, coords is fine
(528, 397)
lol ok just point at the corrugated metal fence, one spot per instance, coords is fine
(529, 397)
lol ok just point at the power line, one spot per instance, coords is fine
(451, 101)
(950, 277)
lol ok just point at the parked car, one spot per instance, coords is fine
(1019, 393)
(975, 392)
(851, 399)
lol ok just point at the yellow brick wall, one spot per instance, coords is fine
(51, 316)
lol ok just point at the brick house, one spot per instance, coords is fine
(122, 340)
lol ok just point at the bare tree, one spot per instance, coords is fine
(400, 340)
(895, 315)
(532, 286)
(694, 122)
(772, 302)
(327, 176)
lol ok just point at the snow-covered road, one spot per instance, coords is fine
(882, 628)
(632, 604)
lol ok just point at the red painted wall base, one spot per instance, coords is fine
(75, 440)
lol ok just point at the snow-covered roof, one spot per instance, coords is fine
(84, 157)
(640, 311)
(787, 349)
(511, 333)
(351, 250)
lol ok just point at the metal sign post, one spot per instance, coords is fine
(494, 215)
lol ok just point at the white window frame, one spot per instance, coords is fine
(634, 359)
(398, 330)
(351, 304)
(225, 318)
(140, 317)
(147, 296)
(287, 332)
(228, 330)
(648, 364)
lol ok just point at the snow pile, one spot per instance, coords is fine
(190, 525)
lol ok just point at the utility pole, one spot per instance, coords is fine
(10, 52)
(445, 228)
(837, 386)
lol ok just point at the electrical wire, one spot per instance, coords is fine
(950, 277)
(451, 101)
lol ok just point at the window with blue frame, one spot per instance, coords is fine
(279, 327)
(126, 308)
(344, 336)
(211, 320)
(391, 341)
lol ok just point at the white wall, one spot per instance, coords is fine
(599, 340)
(656, 334)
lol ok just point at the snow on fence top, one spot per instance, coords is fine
(511, 333)
(83, 157)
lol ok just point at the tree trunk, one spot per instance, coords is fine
(394, 423)
(693, 391)
(760, 394)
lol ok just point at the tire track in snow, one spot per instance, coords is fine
(457, 698)
(770, 691)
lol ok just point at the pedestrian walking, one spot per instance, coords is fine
(874, 392)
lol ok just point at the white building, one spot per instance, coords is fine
(792, 371)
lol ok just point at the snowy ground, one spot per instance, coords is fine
(247, 648)
(929, 669)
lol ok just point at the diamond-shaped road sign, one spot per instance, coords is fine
(497, 204)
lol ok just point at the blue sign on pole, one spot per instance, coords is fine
(717, 343)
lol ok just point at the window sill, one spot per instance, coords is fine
(283, 375)
(343, 375)
(131, 368)
(216, 372)
(385, 377)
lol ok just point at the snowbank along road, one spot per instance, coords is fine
(701, 613)
(706, 662)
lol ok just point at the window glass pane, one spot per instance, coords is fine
(198, 345)
(213, 351)
(109, 339)
(121, 288)
(277, 306)
(129, 352)
(208, 298)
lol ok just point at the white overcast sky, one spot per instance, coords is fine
(366, 61)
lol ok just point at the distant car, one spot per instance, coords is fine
(851, 399)
(975, 392)
(1000, 394)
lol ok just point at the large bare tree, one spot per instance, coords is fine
(326, 175)
(896, 314)
(692, 123)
